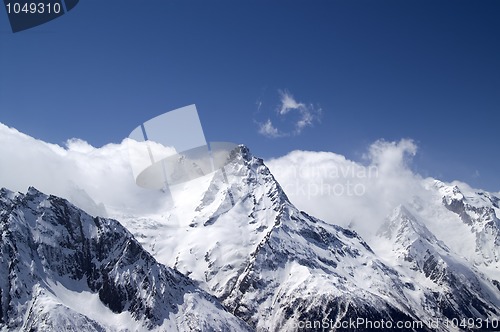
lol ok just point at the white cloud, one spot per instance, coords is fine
(100, 180)
(259, 105)
(325, 184)
(305, 121)
(91, 178)
(348, 193)
(307, 115)
(392, 156)
(268, 129)
(288, 103)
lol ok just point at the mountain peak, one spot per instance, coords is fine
(401, 211)
(400, 221)
(242, 152)
(32, 192)
(6, 194)
(403, 229)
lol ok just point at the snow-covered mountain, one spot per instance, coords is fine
(449, 285)
(63, 270)
(277, 267)
(268, 265)
(479, 211)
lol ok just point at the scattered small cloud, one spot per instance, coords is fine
(476, 174)
(259, 105)
(308, 114)
(268, 129)
(288, 103)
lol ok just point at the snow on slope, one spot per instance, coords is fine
(467, 220)
(452, 286)
(63, 270)
(220, 244)
(268, 261)
(204, 236)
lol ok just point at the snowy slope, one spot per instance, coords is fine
(63, 270)
(480, 211)
(466, 220)
(450, 286)
(274, 265)
(306, 269)
(203, 235)
(224, 247)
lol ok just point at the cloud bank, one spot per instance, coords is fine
(95, 179)
(349, 193)
(327, 185)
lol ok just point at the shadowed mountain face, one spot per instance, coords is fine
(271, 266)
(54, 256)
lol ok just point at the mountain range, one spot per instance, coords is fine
(232, 253)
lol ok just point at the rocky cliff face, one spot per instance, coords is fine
(64, 270)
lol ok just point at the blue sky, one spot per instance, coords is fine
(366, 70)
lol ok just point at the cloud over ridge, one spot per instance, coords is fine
(346, 192)
(94, 179)
(325, 184)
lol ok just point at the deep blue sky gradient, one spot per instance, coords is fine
(426, 70)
